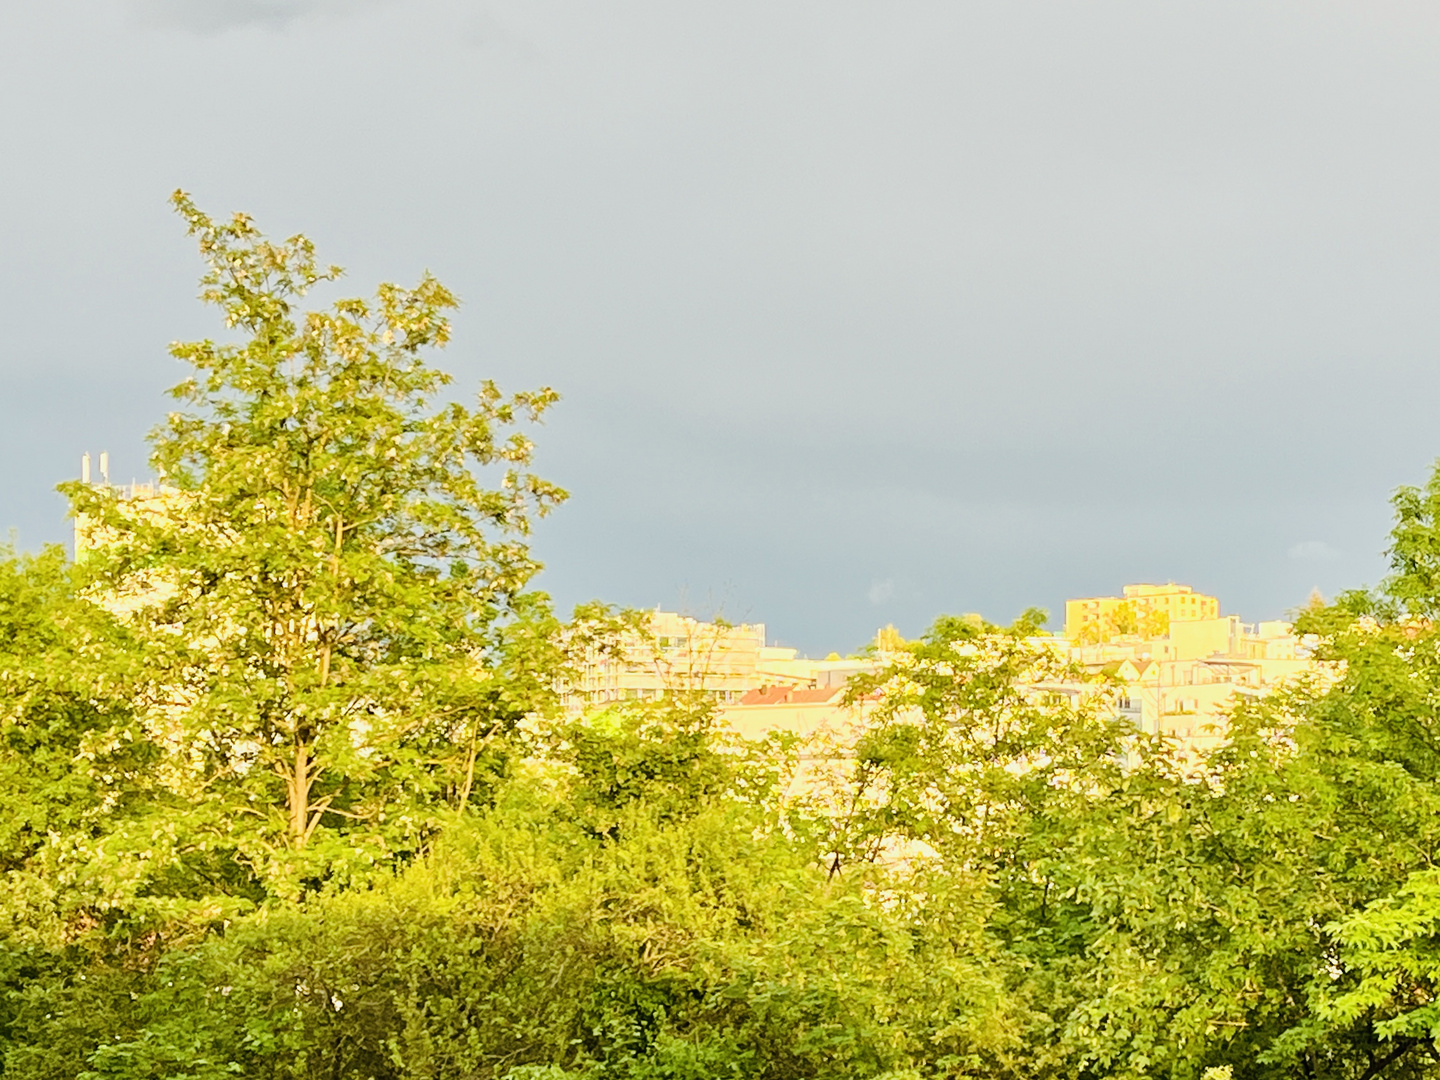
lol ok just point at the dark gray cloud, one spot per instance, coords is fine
(860, 312)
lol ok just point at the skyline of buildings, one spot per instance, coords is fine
(1179, 662)
(1176, 675)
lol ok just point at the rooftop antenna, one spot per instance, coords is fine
(85, 468)
(105, 467)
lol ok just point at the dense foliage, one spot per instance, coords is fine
(288, 792)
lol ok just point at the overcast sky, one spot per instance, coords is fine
(861, 312)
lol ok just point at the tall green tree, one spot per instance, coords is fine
(332, 585)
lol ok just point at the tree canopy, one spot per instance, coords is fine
(289, 793)
(326, 591)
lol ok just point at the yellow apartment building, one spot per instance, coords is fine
(674, 653)
(1141, 611)
(151, 502)
(827, 727)
(1181, 664)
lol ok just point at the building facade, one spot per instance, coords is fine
(1184, 682)
(1141, 611)
(672, 654)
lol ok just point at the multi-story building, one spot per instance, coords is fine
(148, 499)
(672, 654)
(150, 502)
(1142, 611)
(675, 653)
(1182, 677)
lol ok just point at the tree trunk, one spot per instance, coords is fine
(298, 795)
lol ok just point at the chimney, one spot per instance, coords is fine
(105, 467)
(85, 468)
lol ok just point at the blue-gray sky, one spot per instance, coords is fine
(862, 312)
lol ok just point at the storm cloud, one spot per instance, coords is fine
(861, 312)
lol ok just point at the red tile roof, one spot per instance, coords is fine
(824, 693)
